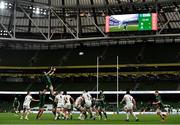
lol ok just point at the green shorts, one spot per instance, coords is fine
(41, 105)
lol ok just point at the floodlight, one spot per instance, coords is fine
(37, 11)
(81, 53)
(2, 5)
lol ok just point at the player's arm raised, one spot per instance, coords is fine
(52, 71)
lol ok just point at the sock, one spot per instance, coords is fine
(38, 115)
(161, 115)
(54, 113)
(85, 115)
(127, 115)
(134, 115)
(80, 116)
(105, 115)
(26, 115)
(100, 115)
(56, 116)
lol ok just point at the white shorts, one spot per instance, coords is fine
(67, 106)
(26, 107)
(128, 106)
(88, 104)
(60, 105)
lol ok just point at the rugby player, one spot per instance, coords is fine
(79, 105)
(47, 80)
(88, 102)
(16, 105)
(68, 101)
(159, 106)
(101, 105)
(59, 99)
(54, 104)
(130, 105)
(42, 96)
(26, 105)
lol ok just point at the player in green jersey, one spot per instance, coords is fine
(47, 79)
(159, 105)
(42, 96)
(16, 105)
(101, 105)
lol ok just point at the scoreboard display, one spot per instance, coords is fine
(131, 22)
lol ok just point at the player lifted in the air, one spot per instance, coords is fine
(47, 80)
(159, 106)
(130, 105)
(26, 106)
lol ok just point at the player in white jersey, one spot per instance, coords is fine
(130, 105)
(88, 102)
(79, 103)
(68, 100)
(88, 99)
(59, 99)
(26, 105)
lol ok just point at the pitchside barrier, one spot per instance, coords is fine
(34, 109)
(94, 92)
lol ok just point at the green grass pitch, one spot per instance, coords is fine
(10, 118)
(121, 28)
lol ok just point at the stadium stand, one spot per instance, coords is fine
(128, 54)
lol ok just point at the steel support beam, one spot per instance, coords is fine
(63, 23)
(94, 14)
(44, 5)
(167, 20)
(49, 20)
(97, 39)
(96, 25)
(32, 21)
(64, 15)
(78, 20)
(5, 29)
(164, 26)
(11, 18)
(14, 28)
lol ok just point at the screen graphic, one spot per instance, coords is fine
(131, 22)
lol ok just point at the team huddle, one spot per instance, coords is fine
(89, 108)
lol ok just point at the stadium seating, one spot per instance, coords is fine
(128, 54)
(166, 85)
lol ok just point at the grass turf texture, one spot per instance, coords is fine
(121, 28)
(10, 118)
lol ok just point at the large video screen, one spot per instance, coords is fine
(131, 22)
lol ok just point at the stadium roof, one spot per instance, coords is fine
(79, 20)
